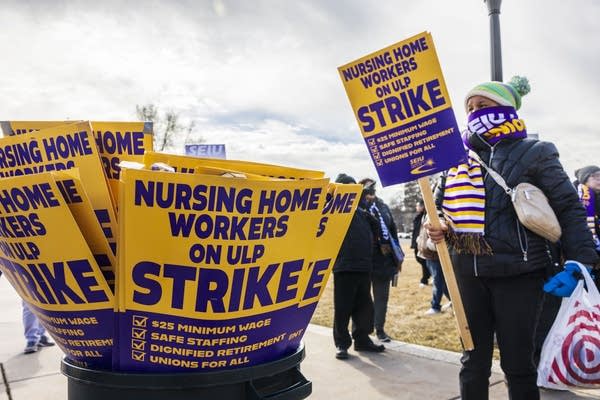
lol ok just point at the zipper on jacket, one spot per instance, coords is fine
(523, 246)
(492, 148)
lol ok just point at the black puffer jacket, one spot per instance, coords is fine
(356, 252)
(517, 250)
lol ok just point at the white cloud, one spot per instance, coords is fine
(261, 76)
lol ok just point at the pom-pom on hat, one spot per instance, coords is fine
(343, 178)
(505, 94)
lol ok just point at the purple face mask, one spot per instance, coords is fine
(493, 124)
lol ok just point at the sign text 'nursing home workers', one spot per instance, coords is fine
(116, 142)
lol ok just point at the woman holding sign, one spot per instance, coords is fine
(500, 265)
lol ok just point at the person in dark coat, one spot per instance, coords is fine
(425, 273)
(385, 263)
(352, 282)
(500, 265)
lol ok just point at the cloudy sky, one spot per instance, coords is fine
(261, 75)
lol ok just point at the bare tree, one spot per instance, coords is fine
(166, 127)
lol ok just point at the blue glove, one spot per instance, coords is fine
(563, 284)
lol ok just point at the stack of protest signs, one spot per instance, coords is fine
(212, 264)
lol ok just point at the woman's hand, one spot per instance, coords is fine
(436, 234)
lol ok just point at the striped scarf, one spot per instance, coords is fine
(464, 207)
(464, 198)
(384, 229)
(588, 199)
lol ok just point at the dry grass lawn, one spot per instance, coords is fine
(405, 317)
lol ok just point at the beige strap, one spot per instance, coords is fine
(495, 176)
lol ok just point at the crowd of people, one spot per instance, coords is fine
(500, 266)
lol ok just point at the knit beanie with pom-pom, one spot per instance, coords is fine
(505, 94)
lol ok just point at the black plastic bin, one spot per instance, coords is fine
(277, 380)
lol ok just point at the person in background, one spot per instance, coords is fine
(35, 334)
(425, 274)
(427, 251)
(352, 282)
(500, 265)
(438, 287)
(385, 264)
(587, 184)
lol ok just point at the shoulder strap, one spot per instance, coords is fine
(495, 176)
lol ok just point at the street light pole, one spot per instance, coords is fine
(495, 44)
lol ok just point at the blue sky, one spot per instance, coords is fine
(261, 76)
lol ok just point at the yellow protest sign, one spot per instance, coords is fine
(74, 194)
(186, 164)
(48, 262)
(218, 278)
(336, 216)
(60, 148)
(403, 109)
(121, 141)
(116, 142)
(402, 106)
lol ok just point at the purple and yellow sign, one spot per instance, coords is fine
(116, 142)
(206, 150)
(403, 109)
(61, 148)
(228, 273)
(188, 164)
(46, 259)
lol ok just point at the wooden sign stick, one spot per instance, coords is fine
(442, 250)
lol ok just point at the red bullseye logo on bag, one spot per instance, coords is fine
(579, 359)
(571, 353)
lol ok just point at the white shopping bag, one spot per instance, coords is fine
(571, 352)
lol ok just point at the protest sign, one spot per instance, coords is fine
(48, 262)
(116, 142)
(220, 278)
(74, 194)
(60, 148)
(187, 164)
(403, 109)
(336, 216)
(205, 150)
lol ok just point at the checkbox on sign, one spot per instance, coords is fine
(137, 344)
(140, 321)
(138, 355)
(373, 149)
(379, 163)
(376, 156)
(371, 141)
(138, 333)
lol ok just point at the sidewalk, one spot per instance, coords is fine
(403, 371)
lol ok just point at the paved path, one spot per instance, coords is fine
(402, 372)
